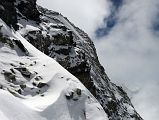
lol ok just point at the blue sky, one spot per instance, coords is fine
(126, 35)
(111, 20)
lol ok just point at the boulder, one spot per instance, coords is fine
(24, 71)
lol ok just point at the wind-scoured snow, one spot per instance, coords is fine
(49, 93)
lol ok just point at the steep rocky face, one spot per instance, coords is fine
(8, 12)
(54, 35)
(28, 9)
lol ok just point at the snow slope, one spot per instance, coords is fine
(36, 87)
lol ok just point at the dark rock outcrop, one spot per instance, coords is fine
(28, 9)
(9, 76)
(24, 71)
(8, 12)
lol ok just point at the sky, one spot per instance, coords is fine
(126, 36)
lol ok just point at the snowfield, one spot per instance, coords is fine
(36, 87)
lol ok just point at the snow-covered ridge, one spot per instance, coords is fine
(62, 97)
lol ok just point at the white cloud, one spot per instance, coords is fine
(130, 54)
(86, 14)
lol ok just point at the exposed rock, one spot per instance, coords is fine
(61, 39)
(9, 76)
(78, 91)
(28, 9)
(40, 85)
(24, 71)
(38, 78)
(5, 40)
(73, 94)
(21, 46)
(69, 95)
(8, 12)
(23, 86)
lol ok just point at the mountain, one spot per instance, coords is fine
(50, 69)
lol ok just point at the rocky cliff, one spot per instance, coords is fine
(58, 38)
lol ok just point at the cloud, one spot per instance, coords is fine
(130, 53)
(86, 14)
(111, 20)
(148, 106)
